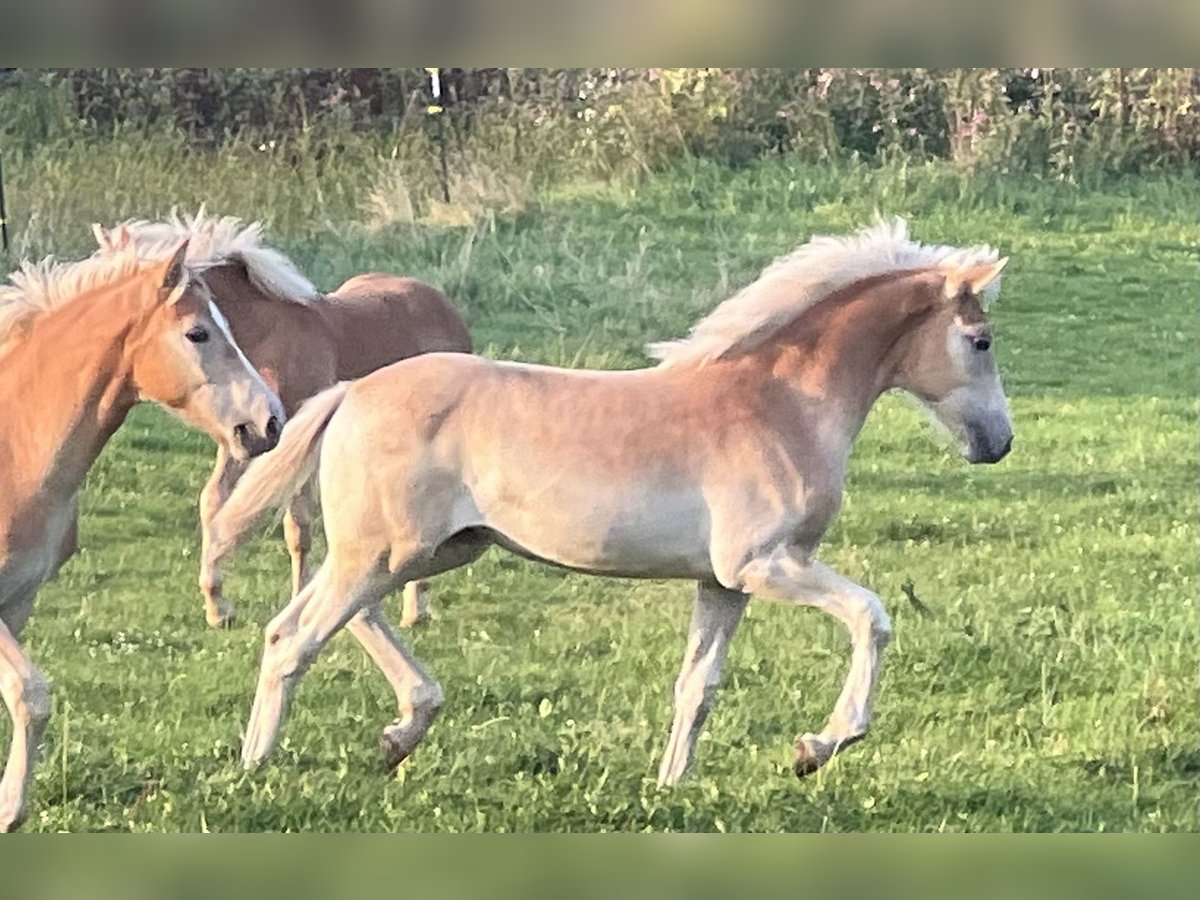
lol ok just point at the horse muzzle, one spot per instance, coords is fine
(253, 440)
(986, 449)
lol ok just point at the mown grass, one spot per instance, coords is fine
(1045, 678)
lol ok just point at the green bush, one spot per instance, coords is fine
(372, 145)
(1065, 122)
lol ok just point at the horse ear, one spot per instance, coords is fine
(174, 275)
(103, 240)
(973, 279)
(111, 239)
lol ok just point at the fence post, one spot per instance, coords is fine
(436, 109)
(3, 208)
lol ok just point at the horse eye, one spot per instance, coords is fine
(982, 343)
(197, 335)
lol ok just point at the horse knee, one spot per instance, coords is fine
(287, 653)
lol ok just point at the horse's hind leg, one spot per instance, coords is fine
(414, 604)
(297, 532)
(220, 485)
(418, 695)
(295, 637)
(715, 617)
(805, 582)
(27, 695)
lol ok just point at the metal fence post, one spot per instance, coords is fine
(3, 208)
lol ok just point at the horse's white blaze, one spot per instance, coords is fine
(253, 393)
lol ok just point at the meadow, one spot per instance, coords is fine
(1043, 674)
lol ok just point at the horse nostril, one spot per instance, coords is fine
(273, 427)
(240, 431)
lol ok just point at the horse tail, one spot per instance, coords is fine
(276, 477)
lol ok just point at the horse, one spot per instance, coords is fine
(80, 345)
(723, 464)
(302, 342)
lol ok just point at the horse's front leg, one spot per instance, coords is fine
(789, 575)
(418, 695)
(220, 485)
(715, 618)
(414, 604)
(27, 695)
(297, 532)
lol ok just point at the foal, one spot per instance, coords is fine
(302, 342)
(80, 344)
(723, 465)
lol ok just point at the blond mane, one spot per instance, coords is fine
(214, 240)
(37, 287)
(808, 274)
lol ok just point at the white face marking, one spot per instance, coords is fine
(223, 324)
(256, 380)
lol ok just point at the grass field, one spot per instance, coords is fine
(1046, 680)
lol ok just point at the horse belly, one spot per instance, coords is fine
(634, 532)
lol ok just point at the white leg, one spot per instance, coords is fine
(788, 576)
(418, 695)
(293, 640)
(220, 485)
(415, 604)
(715, 617)
(27, 695)
(297, 532)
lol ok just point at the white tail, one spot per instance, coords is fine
(276, 477)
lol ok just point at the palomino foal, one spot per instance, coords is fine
(724, 464)
(301, 341)
(80, 344)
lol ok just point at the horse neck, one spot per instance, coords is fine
(255, 316)
(65, 387)
(842, 354)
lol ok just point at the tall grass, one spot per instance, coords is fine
(1070, 123)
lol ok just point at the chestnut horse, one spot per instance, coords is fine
(724, 465)
(80, 344)
(302, 342)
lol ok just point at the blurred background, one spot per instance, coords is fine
(446, 146)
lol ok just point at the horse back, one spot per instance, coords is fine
(379, 319)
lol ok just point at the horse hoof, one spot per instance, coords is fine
(225, 618)
(807, 760)
(393, 751)
(401, 737)
(813, 751)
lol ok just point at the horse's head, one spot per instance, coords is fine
(950, 367)
(183, 356)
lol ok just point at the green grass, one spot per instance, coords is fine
(1052, 686)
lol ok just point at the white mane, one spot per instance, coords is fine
(215, 240)
(36, 287)
(805, 276)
